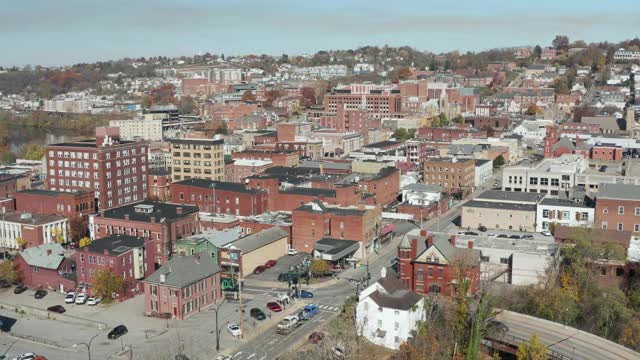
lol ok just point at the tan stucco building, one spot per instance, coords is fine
(502, 210)
(197, 158)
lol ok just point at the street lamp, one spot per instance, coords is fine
(217, 330)
(88, 345)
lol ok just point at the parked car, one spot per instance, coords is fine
(530, 237)
(304, 294)
(546, 233)
(40, 294)
(92, 301)
(515, 237)
(315, 337)
(70, 298)
(274, 306)
(337, 267)
(270, 264)
(289, 322)
(5, 284)
(503, 236)
(482, 228)
(20, 289)
(26, 356)
(234, 329)
(57, 309)
(81, 299)
(117, 332)
(491, 235)
(259, 269)
(308, 312)
(471, 233)
(223, 357)
(292, 252)
(257, 314)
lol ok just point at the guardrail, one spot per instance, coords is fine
(513, 340)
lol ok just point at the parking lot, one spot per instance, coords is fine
(284, 264)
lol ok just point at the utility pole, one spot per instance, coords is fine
(240, 300)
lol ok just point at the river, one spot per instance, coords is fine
(20, 136)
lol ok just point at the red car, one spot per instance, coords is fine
(274, 306)
(270, 264)
(259, 270)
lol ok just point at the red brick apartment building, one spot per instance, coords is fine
(123, 254)
(427, 265)
(618, 207)
(185, 285)
(346, 120)
(455, 176)
(442, 134)
(229, 198)
(33, 229)
(606, 152)
(115, 170)
(9, 184)
(314, 221)
(382, 187)
(376, 105)
(487, 122)
(160, 223)
(159, 184)
(46, 266)
(47, 202)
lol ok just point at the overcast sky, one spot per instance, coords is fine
(61, 32)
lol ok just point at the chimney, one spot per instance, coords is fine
(179, 210)
(49, 252)
(126, 216)
(423, 232)
(414, 248)
(452, 240)
(152, 219)
(429, 240)
(470, 244)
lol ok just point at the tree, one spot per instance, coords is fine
(84, 241)
(436, 122)
(21, 242)
(58, 236)
(34, 152)
(77, 228)
(582, 111)
(532, 350)
(106, 283)
(400, 134)
(537, 51)
(8, 271)
(319, 266)
(498, 162)
(458, 119)
(308, 96)
(444, 120)
(186, 105)
(8, 157)
(561, 85)
(534, 109)
(561, 42)
(248, 96)
(222, 129)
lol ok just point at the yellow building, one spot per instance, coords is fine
(197, 158)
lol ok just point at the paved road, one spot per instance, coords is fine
(568, 341)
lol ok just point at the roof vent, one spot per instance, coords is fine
(25, 216)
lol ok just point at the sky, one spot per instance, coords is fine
(47, 32)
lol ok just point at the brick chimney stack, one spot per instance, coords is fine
(452, 240)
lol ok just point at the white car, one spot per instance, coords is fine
(546, 233)
(70, 298)
(81, 299)
(26, 356)
(491, 235)
(223, 357)
(292, 252)
(92, 301)
(234, 329)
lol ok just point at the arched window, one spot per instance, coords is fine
(434, 289)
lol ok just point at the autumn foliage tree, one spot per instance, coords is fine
(161, 95)
(532, 350)
(307, 96)
(77, 228)
(106, 283)
(248, 96)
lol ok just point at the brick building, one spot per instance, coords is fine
(427, 265)
(618, 207)
(278, 158)
(315, 220)
(123, 254)
(46, 266)
(229, 198)
(197, 158)
(244, 168)
(376, 105)
(381, 188)
(159, 184)
(346, 120)
(47, 202)
(9, 184)
(182, 287)
(115, 170)
(487, 122)
(33, 229)
(607, 152)
(455, 176)
(442, 134)
(160, 223)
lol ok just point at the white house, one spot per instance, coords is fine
(483, 171)
(563, 212)
(387, 312)
(421, 194)
(531, 131)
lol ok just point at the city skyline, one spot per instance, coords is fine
(43, 33)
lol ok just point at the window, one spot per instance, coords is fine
(545, 214)
(605, 225)
(484, 258)
(621, 210)
(396, 325)
(565, 215)
(620, 227)
(504, 260)
(434, 288)
(638, 211)
(420, 275)
(430, 272)
(619, 271)
(636, 228)
(603, 271)
(605, 211)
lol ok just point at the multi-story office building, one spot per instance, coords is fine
(453, 175)
(197, 158)
(147, 127)
(115, 170)
(551, 176)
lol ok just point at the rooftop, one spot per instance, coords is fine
(258, 240)
(181, 271)
(619, 192)
(144, 211)
(197, 141)
(318, 206)
(217, 185)
(393, 294)
(117, 244)
(510, 196)
(52, 193)
(309, 191)
(562, 202)
(214, 237)
(46, 256)
(382, 144)
(500, 205)
(30, 218)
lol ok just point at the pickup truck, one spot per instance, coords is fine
(307, 312)
(288, 324)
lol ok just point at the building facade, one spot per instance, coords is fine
(455, 176)
(618, 207)
(219, 197)
(197, 158)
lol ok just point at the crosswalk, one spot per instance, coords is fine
(329, 308)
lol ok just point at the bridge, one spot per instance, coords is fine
(563, 342)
